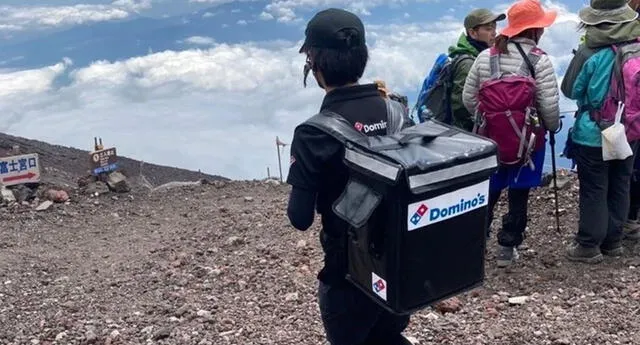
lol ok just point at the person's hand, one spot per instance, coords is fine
(382, 88)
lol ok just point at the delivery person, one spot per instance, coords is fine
(337, 55)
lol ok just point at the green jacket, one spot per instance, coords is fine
(466, 55)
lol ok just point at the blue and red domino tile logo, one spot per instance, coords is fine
(379, 285)
(422, 210)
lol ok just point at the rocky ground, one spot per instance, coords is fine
(218, 263)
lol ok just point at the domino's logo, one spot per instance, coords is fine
(379, 286)
(447, 206)
(417, 216)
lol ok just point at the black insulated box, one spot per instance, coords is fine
(417, 203)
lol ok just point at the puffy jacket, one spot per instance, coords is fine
(547, 95)
(465, 53)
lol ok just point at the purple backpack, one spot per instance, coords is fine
(507, 110)
(624, 87)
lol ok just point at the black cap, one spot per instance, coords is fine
(322, 30)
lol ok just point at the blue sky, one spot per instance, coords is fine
(205, 84)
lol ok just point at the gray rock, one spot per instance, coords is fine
(44, 205)
(22, 192)
(97, 188)
(204, 314)
(91, 336)
(6, 195)
(234, 241)
(118, 182)
(163, 333)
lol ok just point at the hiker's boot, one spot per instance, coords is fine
(580, 253)
(614, 249)
(631, 230)
(506, 256)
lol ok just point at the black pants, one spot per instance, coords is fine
(604, 197)
(351, 318)
(515, 221)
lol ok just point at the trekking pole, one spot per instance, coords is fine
(552, 141)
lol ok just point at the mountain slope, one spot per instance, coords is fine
(64, 165)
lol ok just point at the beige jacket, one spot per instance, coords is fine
(547, 94)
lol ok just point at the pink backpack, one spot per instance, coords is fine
(507, 110)
(624, 86)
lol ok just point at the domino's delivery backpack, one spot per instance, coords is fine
(416, 203)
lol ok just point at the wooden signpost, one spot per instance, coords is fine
(102, 160)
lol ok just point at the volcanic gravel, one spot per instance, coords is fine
(219, 264)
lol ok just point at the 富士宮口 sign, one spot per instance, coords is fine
(103, 161)
(19, 169)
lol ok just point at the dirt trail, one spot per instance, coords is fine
(220, 264)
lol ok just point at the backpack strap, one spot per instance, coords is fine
(396, 116)
(619, 59)
(338, 127)
(494, 62)
(529, 60)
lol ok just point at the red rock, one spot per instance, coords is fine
(57, 195)
(450, 305)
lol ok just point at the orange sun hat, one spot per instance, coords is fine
(527, 14)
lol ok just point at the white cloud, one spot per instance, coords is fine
(217, 109)
(241, 22)
(265, 16)
(13, 18)
(199, 40)
(133, 5)
(285, 10)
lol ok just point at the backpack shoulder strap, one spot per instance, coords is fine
(396, 116)
(462, 57)
(529, 60)
(335, 125)
(622, 53)
(455, 62)
(494, 62)
(338, 127)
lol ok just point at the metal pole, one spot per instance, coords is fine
(279, 161)
(552, 141)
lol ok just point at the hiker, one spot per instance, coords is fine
(604, 185)
(534, 105)
(337, 55)
(631, 228)
(480, 34)
(441, 95)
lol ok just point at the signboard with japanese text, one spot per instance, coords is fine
(19, 169)
(103, 161)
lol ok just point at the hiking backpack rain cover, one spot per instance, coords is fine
(507, 110)
(416, 204)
